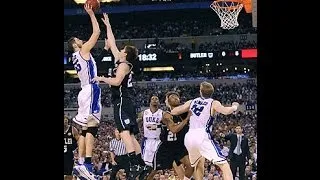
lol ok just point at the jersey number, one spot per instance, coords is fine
(76, 64)
(65, 148)
(130, 80)
(171, 136)
(197, 109)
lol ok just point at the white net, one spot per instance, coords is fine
(228, 12)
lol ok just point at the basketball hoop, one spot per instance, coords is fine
(228, 11)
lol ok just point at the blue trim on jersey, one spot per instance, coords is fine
(213, 142)
(143, 145)
(95, 96)
(91, 70)
(216, 147)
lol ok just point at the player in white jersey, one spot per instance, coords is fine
(89, 110)
(152, 129)
(199, 141)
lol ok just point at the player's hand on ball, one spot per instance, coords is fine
(105, 19)
(88, 8)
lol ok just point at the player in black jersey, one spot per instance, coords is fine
(71, 137)
(122, 99)
(171, 150)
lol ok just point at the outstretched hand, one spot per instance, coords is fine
(88, 8)
(98, 78)
(105, 19)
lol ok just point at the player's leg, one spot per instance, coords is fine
(82, 145)
(188, 168)
(134, 130)
(92, 122)
(68, 166)
(211, 151)
(123, 122)
(233, 167)
(149, 149)
(199, 169)
(151, 175)
(90, 110)
(179, 170)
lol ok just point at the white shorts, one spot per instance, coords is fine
(149, 148)
(200, 143)
(89, 102)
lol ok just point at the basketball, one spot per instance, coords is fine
(94, 3)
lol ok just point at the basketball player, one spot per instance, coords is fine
(122, 99)
(89, 111)
(171, 152)
(71, 136)
(152, 128)
(199, 140)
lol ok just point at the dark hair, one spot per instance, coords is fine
(171, 93)
(132, 53)
(71, 41)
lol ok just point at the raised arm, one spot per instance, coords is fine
(218, 107)
(175, 128)
(87, 46)
(111, 39)
(181, 109)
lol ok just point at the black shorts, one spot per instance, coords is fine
(68, 166)
(167, 153)
(125, 115)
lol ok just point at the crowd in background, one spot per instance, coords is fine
(223, 124)
(245, 93)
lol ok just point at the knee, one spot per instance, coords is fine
(92, 122)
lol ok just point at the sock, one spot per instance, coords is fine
(133, 158)
(185, 178)
(87, 160)
(141, 161)
(81, 160)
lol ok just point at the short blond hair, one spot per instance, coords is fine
(206, 89)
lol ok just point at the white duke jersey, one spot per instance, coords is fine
(201, 113)
(86, 70)
(151, 123)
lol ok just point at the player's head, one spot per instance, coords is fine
(154, 101)
(74, 43)
(66, 121)
(238, 129)
(172, 99)
(206, 89)
(117, 134)
(132, 53)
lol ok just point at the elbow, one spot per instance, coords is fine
(96, 32)
(174, 131)
(117, 83)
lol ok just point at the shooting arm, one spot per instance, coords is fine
(86, 47)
